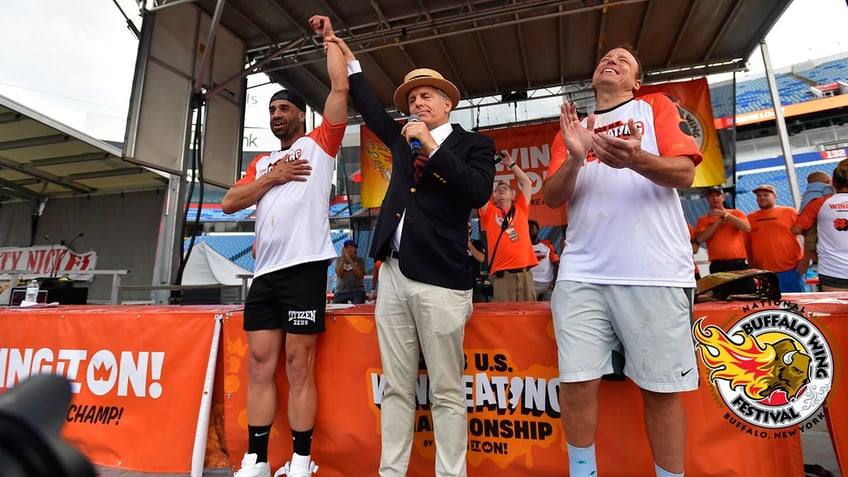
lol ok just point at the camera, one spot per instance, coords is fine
(483, 288)
(31, 417)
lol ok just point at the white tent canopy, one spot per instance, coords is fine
(205, 266)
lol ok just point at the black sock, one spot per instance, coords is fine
(302, 442)
(257, 441)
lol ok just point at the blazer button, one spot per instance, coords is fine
(397, 215)
(412, 189)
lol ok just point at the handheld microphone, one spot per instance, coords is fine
(415, 144)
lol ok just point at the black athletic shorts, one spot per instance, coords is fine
(293, 299)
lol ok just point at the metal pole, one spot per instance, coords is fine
(791, 176)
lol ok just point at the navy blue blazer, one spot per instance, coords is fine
(457, 179)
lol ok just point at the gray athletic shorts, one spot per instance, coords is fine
(651, 324)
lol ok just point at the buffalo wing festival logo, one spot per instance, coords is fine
(773, 368)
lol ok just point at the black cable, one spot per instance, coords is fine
(504, 225)
(197, 177)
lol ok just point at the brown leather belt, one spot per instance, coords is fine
(501, 273)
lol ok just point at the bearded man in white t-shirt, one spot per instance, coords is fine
(285, 307)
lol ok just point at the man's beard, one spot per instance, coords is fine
(288, 132)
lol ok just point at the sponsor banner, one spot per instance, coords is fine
(769, 372)
(136, 373)
(512, 396)
(530, 146)
(775, 367)
(48, 260)
(693, 98)
(789, 110)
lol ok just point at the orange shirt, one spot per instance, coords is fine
(773, 246)
(515, 250)
(727, 242)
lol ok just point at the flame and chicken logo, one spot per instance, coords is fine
(380, 158)
(773, 368)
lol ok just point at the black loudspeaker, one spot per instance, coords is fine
(68, 296)
(210, 296)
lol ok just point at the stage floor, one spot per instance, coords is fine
(816, 443)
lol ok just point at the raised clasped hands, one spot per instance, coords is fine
(322, 27)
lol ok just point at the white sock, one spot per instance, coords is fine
(300, 461)
(664, 473)
(581, 461)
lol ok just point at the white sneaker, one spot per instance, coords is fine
(288, 471)
(250, 468)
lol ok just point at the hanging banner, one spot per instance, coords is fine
(48, 260)
(530, 146)
(693, 97)
(137, 377)
(375, 162)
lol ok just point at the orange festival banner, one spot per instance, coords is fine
(512, 396)
(530, 146)
(693, 97)
(141, 388)
(139, 391)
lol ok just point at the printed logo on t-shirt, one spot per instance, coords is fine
(291, 155)
(618, 129)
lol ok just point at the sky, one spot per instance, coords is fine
(74, 60)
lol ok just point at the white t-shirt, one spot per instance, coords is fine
(624, 229)
(292, 219)
(544, 271)
(832, 247)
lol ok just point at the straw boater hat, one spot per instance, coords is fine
(424, 77)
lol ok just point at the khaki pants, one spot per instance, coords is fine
(410, 314)
(513, 286)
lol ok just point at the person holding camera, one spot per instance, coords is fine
(350, 271)
(505, 220)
